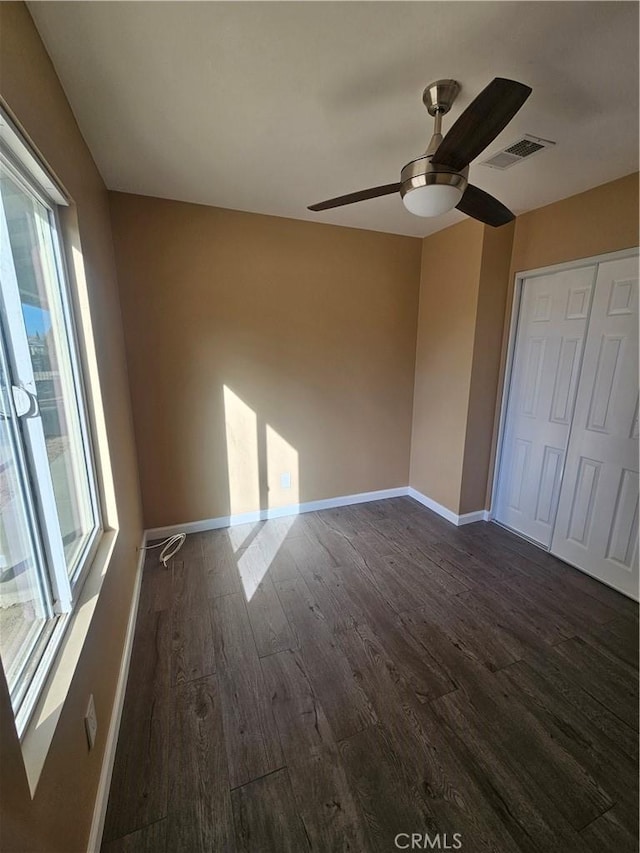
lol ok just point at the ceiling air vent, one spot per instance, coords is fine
(523, 148)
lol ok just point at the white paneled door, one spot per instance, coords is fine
(568, 475)
(552, 324)
(597, 523)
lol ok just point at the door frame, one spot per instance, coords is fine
(511, 341)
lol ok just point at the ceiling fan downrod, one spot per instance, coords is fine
(438, 98)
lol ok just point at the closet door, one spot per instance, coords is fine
(548, 350)
(597, 523)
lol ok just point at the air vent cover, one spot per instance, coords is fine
(523, 148)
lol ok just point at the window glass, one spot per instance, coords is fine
(24, 604)
(46, 326)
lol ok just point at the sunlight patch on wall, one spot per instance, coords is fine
(241, 425)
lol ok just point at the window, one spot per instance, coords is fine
(49, 513)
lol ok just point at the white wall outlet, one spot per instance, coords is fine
(91, 722)
(285, 480)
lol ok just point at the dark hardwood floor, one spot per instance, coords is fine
(329, 681)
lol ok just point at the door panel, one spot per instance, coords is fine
(597, 524)
(546, 368)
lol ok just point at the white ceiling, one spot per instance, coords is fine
(269, 107)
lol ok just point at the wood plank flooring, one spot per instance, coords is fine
(329, 681)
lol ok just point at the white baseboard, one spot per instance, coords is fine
(102, 796)
(470, 517)
(278, 512)
(445, 512)
(314, 506)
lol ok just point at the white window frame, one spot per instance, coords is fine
(65, 589)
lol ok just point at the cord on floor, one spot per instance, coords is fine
(171, 547)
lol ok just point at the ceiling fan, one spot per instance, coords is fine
(437, 181)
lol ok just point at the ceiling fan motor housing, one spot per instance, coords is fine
(421, 173)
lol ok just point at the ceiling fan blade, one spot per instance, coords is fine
(480, 205)
(363, 195)
(481, 122)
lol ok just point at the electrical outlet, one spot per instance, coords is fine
(285, 480)
(91, 723)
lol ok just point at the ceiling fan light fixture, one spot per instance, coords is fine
(427, 191)
(432, 199)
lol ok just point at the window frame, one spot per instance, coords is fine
(65, 586)
(79, 370)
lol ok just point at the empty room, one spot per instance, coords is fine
(319, 426)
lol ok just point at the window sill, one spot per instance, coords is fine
(41, 728)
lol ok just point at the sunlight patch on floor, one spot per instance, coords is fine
(256, 560)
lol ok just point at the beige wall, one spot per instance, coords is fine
(449, 281)
(463, 287)
(310, 328)
(59, 817)
(603, 219)
(493, 286)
